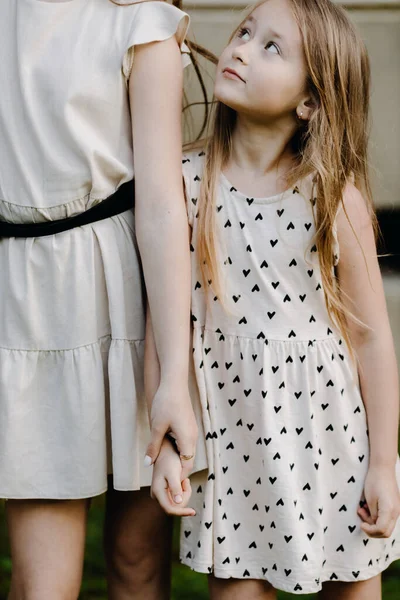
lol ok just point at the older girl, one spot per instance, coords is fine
(91, 96)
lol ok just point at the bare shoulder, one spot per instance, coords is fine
(355, 215)
(355, 233)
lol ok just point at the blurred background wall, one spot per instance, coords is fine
(379, 23)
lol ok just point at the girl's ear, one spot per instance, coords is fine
(305, 109)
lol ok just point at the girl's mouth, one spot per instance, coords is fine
(232, 74)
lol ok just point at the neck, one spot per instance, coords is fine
(261, 149)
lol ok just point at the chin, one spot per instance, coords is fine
(227, 96)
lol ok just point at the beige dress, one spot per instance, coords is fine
(71, 305)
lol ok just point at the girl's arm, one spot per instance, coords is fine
(155, 89)
(151, 362)
(172, 494)
(362, 287)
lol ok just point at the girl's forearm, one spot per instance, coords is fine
(380, 392)
(164, 247)
(151, 364)
(160, 212)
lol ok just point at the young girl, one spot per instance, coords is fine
(83, 86)
(292, 347)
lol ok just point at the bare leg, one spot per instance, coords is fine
(137, 539)
(238, 589)
(360, 590)
(47, 547)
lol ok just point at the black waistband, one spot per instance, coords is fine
(123, 199)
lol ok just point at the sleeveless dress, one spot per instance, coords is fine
(285, 424)
(71, 305)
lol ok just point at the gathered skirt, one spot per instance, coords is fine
(72, 406)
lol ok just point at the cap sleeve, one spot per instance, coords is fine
(156, 22)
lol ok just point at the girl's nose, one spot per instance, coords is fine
(241, 53)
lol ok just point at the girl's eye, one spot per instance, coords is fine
(273, 48)
(242, 33)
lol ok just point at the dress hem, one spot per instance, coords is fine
(84, 496)
(278, 584)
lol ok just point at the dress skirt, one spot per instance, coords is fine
(72, 407)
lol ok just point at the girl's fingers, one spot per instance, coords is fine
(186, 445)
(162, 494)
(382, 527)
(365, 516)
(374, 531)
(187, 467)
(174, 485)
(181, 489)
(154, 447)
(187, 492)
(373, 509)
(186, 486)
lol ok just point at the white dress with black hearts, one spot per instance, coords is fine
(286, 428)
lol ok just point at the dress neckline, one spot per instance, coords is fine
(266, 200)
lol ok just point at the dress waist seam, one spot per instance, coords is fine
(266, 339)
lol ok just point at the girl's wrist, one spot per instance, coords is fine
(382, 463)
(174, 375)
(383, 452)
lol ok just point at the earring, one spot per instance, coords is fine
(301, 115)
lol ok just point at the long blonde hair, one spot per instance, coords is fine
(331, 147)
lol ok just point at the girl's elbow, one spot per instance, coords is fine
(362, 335)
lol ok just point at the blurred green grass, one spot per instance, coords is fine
(186, 585)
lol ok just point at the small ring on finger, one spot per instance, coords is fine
(186, 456)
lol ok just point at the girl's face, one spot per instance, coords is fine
(262, 71)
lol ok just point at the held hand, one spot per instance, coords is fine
(172, 413)
(382, 508)
(172, 494)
